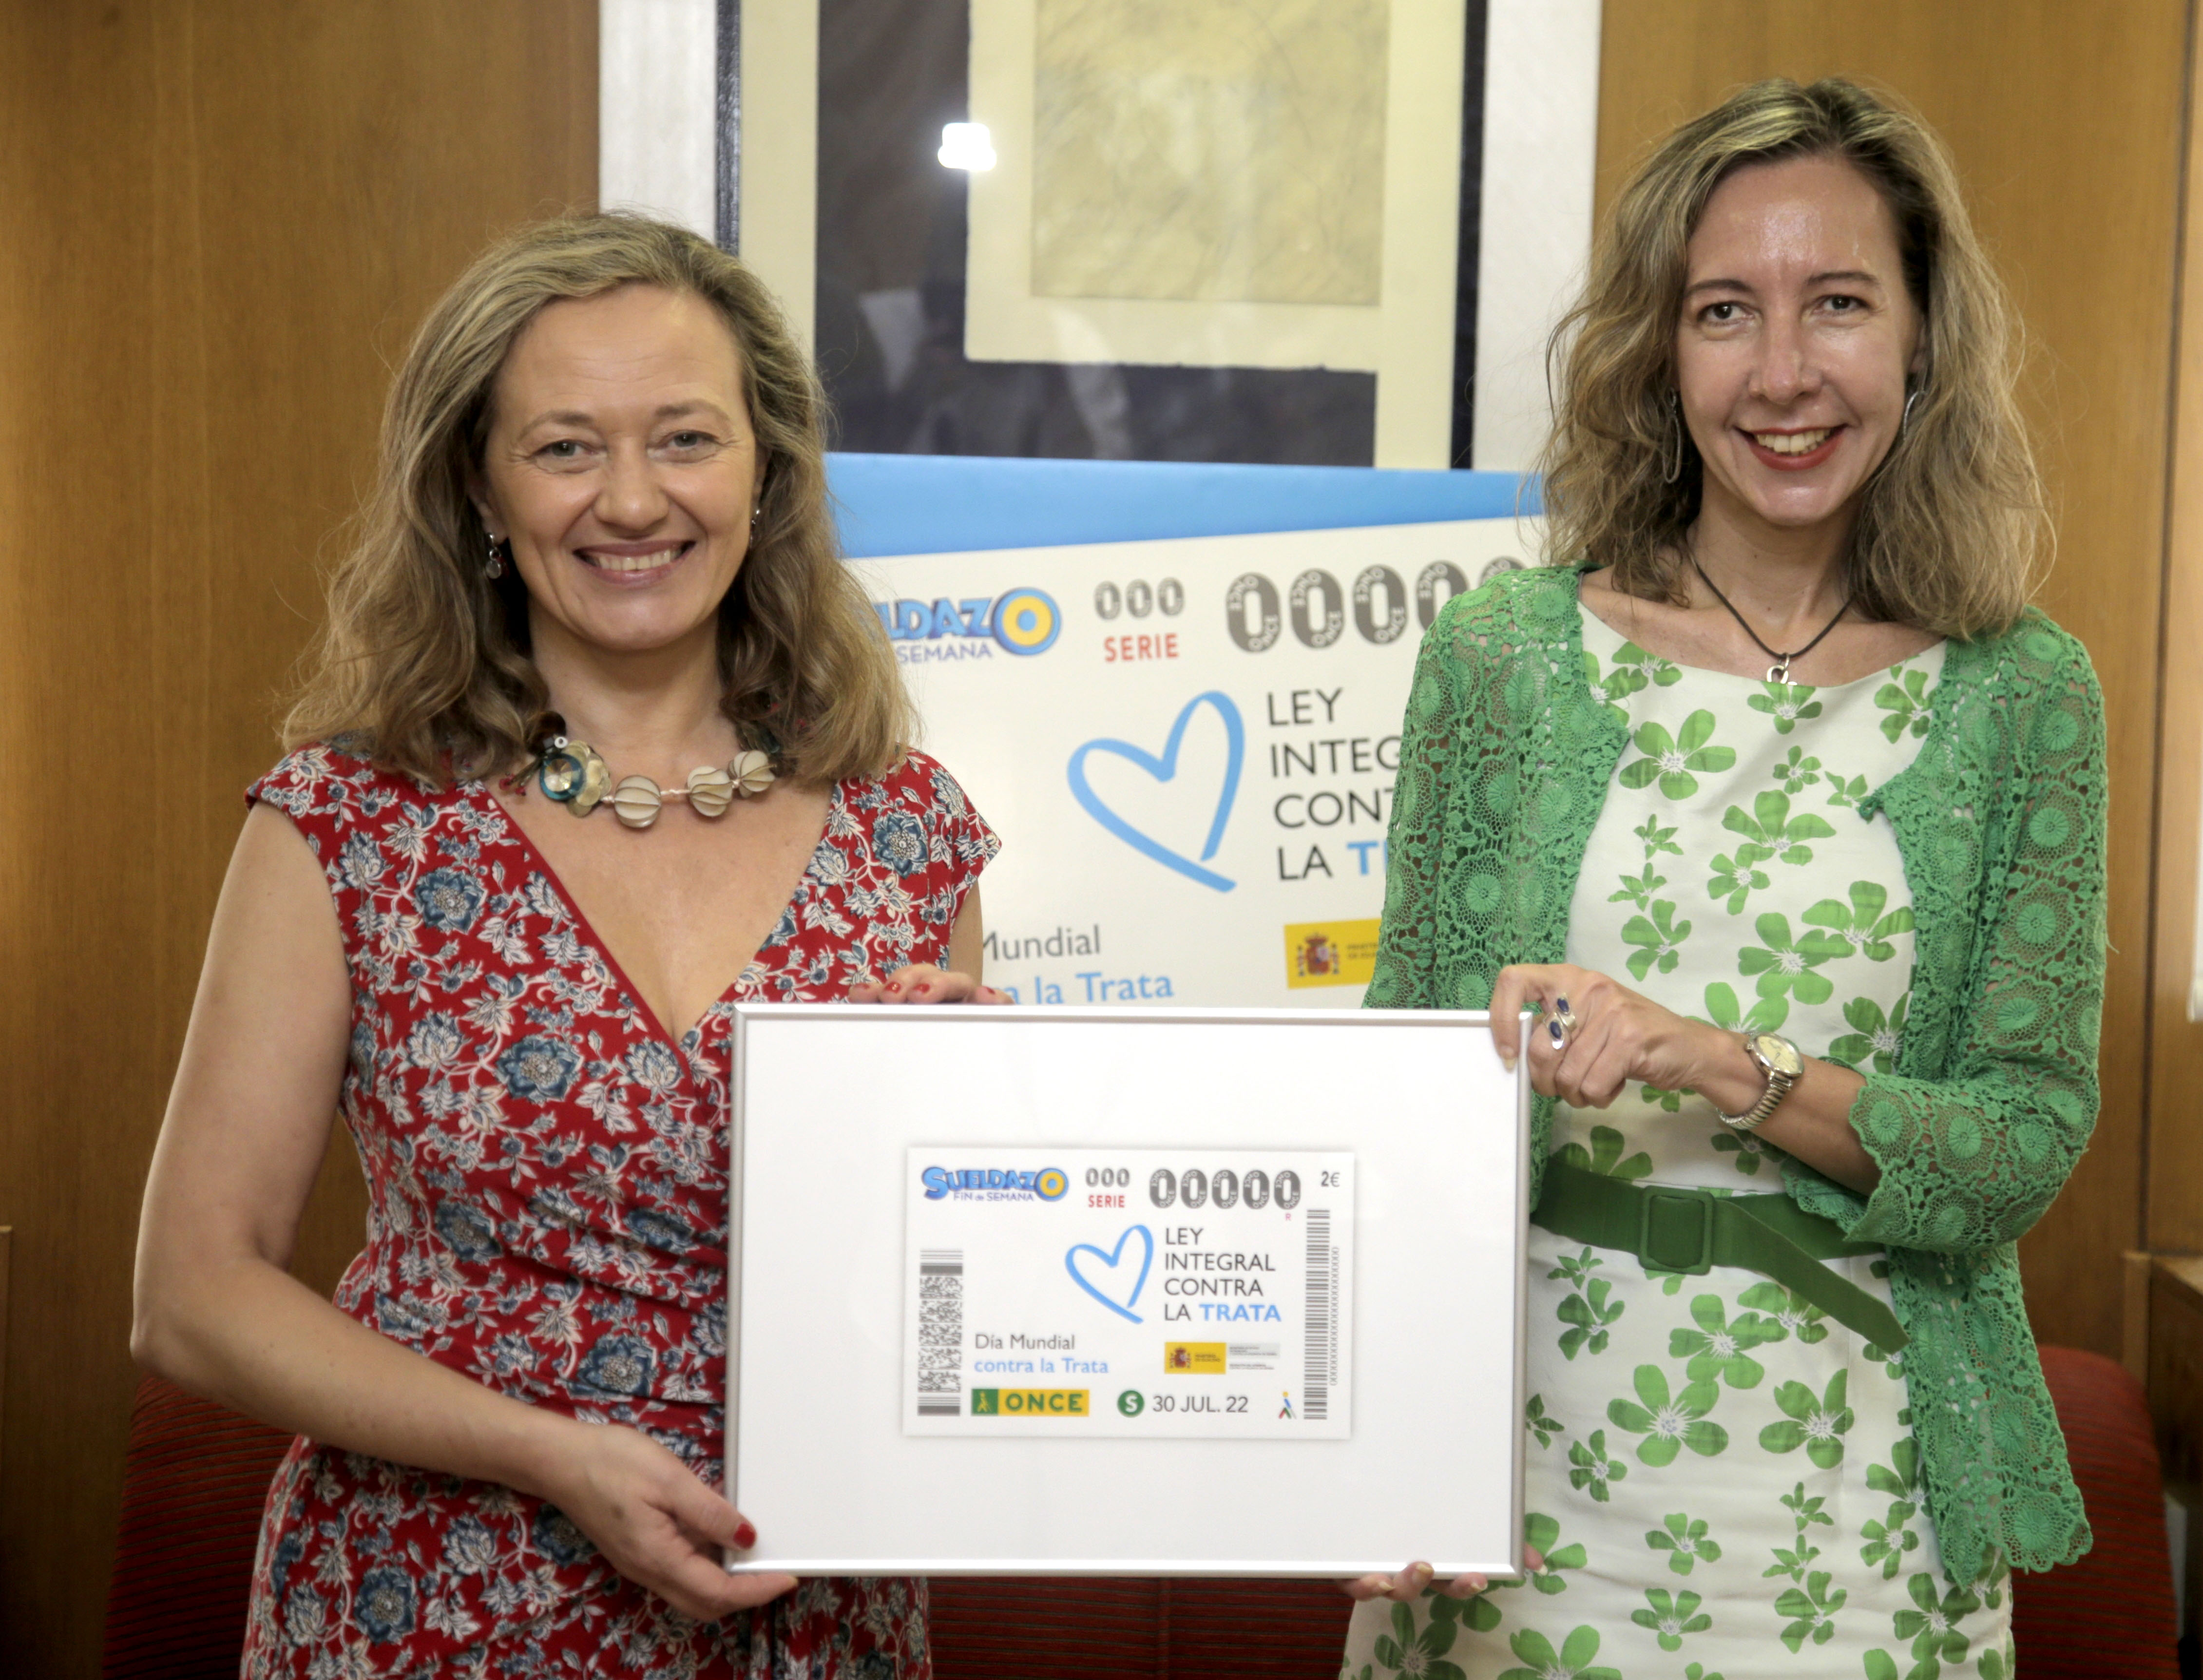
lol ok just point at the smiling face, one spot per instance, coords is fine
(622, 466)
(1796, 338)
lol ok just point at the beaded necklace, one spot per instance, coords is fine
(572, 772)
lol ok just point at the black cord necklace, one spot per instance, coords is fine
(1780, 670)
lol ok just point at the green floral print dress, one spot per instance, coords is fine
(1722, 1481)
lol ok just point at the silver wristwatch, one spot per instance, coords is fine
(1779, 1060)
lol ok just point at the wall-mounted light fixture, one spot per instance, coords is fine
(966, 145)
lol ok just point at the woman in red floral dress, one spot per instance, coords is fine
(599, 552)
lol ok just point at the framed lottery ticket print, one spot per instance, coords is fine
(1127, 1291)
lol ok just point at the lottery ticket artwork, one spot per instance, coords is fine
(1189, 746)
(1157, 1292)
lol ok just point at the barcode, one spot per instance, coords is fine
(940, 1332)
(1322, 1303)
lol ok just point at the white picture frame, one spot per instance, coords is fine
(828, 1099)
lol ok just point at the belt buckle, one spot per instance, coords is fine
(1703, 1262)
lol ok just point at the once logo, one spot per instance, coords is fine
(1030, 1403)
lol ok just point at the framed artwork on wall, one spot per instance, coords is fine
(1305, 232)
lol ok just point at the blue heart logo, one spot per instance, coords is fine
(1124, 1309)
(1165, 769)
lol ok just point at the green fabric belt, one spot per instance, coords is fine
(1691, 1231)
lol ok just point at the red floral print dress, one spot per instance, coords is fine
(547, 1215)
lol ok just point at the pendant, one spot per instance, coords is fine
(574, 775)
(1779, 672)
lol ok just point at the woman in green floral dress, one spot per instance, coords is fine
(1785, 813)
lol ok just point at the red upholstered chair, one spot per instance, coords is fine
(1020, 1628)
(196, 1476)
(2112, 1613)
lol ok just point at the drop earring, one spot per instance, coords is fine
(1671, 453)
(1904, 421)
(494, 568)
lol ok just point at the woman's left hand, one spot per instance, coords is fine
(923, 983)
(1617, 1035)
(1413, 1581)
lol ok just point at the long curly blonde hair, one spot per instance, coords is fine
(423, 661)
(1952, 522)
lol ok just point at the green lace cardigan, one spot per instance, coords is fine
(1505, 762)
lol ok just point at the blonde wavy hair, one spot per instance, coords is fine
(1952, 521)
(423, 661)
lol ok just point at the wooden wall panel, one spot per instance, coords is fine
(224, 221)
(2067, 124)
(2174, 1153)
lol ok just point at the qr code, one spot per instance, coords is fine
(940, 1332)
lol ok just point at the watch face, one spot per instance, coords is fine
(1779, 1053)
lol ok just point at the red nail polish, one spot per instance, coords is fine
(745, 1536)
(894, 986)
(926, 986)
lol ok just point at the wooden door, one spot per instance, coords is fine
(222, 223)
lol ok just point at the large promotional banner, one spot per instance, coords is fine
(1188, 745)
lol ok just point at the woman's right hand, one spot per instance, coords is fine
(219, 1314)
(656, 1522)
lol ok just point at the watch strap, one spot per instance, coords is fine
(1778, 1087)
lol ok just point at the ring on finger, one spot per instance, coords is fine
(1565, 1023)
